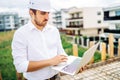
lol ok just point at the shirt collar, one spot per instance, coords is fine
(32, 27)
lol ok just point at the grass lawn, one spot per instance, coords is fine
(6, 62)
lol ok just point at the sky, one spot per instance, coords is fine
(20, 6)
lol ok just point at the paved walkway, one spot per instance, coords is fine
(109, 71)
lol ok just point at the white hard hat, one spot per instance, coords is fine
(42, 5)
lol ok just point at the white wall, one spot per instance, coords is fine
(89, 32)
(64, 17)
(12, 24)
(91, 18)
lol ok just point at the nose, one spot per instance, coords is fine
(47, 16)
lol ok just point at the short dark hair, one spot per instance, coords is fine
(33, 10)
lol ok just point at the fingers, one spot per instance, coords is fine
(63, 58)
(83, 68)
(58, 59)
(63, 55)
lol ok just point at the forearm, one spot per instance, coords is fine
(36, 65)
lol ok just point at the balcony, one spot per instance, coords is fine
(73, 32)
(75, 26)
(112, 18)
(112, 31)
(75, 18)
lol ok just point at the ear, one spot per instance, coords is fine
(31, 13)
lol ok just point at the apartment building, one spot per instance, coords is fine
(8, 20)
(112, 17)
(86, 21)
(23, 21)
(59, 18)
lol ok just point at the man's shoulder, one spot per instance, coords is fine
(22, 29)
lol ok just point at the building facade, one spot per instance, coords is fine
(59, 18)
(112, 17)
(86, 21)
(23, 21)
(9, 21)
(85, 24)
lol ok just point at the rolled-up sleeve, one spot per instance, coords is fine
(19, 52)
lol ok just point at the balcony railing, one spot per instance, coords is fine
(74, 26)
(70, 33)
(75, 18)
(112, 31)
(112, 18)
(73, 34)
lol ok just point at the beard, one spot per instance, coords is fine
(43, 23)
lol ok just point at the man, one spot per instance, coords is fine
(36, 46)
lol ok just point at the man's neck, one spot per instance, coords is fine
(37, 26)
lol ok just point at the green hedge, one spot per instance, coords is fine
(68, 49)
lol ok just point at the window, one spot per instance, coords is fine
(78, 32)
(8, 26)
(78, 23)
(7, 21)
(99, 21)
(0, 22)
(77, 15)
(16, 25)
(117, 13)
(98, 13)
(70, 23)
(99, 31)
(73, 23)
(72, 15)
(117, 26)
(6, 17)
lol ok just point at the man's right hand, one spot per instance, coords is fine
(58, 59)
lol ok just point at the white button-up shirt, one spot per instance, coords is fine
(31, 44)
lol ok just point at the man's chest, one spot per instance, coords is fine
(42, 40)
(41, 45)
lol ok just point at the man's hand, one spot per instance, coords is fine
(58, 59)
(83, 68)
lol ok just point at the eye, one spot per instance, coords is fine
(43, 13)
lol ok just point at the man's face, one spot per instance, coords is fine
(41, 18)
